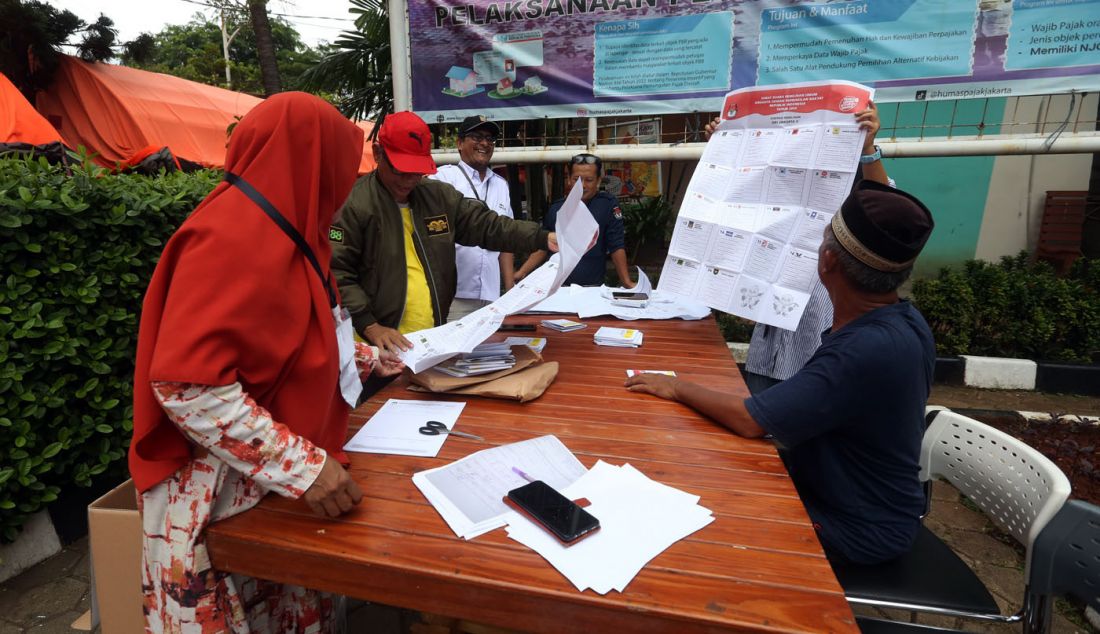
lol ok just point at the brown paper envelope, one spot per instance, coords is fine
(437, 381)
(525, 385)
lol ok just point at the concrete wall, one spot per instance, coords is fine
(1018, 184)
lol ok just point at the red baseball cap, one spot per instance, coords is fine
(407, 142)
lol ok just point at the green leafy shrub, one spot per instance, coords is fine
(734, 328)
(1015, 308)
(646, 223)
(77, 249)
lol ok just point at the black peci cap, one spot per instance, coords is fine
(883, 227)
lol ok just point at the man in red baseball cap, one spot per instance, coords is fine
(394, 240)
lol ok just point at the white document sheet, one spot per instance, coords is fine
(710, 180)
(395, 428)
(795, 147)
(810, 228)
(759, 144)
(692, 238)
(746, 185)
(716, 287)
(724, 147)
(789, 156)
(469, 493)
(639, 519)
(839, 148)
(786, 185)
(679, 275)
(576, 230)
(799, 270)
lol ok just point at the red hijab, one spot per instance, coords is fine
(233, 298)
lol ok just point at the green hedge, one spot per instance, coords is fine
(77, 248)
(1014, 308)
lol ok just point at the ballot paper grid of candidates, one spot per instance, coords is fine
(771, 177)
(395, 428)
(469, 493)
(639, 519)
(575, 230)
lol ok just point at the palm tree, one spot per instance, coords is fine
(265, 47)
(31, 48)
(358, 71)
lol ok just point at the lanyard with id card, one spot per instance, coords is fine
(350, 386)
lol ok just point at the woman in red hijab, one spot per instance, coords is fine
(246, 368)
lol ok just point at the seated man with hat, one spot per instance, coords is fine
(393, 243)
(852, 419)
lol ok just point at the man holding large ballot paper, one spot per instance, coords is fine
(852, 419)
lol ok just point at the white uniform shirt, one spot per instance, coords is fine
(478, 269)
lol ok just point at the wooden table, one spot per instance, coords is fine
(758, 566)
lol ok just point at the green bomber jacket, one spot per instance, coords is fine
(368, 246)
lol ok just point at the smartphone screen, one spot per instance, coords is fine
(517, 327)
(622, 295)
(553, 510)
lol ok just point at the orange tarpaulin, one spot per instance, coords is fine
(19, 122)
(117, 112)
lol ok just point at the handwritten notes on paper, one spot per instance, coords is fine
(768, 184)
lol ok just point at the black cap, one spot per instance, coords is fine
(471, 123)
(883, 227)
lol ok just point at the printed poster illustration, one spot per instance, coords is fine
(771, 177)
(511, 59)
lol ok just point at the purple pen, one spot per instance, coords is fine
(522, 474)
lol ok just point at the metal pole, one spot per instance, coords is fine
(399, 56)
(1082, 143)
(592, 134)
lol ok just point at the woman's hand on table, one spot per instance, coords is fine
(333, 493)
(388, 364)
(660, 385)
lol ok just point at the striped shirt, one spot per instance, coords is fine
(779, 353)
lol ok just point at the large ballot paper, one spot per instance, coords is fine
(576, 230)
(771, 177)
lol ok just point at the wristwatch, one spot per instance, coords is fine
(871, 158)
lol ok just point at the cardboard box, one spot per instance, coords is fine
(114, 532)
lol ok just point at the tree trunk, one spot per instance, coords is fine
(265, 47)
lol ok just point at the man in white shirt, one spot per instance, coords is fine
(479, 271)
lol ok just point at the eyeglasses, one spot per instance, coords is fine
(481, 138)
(586, 159)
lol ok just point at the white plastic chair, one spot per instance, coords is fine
(1016, 486)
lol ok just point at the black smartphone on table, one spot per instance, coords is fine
(517, 328)
(559, 515)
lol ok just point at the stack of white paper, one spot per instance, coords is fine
(639, 519)
(469, 493)
(563, 325)
(535, 343)
(395, 428)
(618, 337)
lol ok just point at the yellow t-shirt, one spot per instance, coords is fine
(418, 313)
